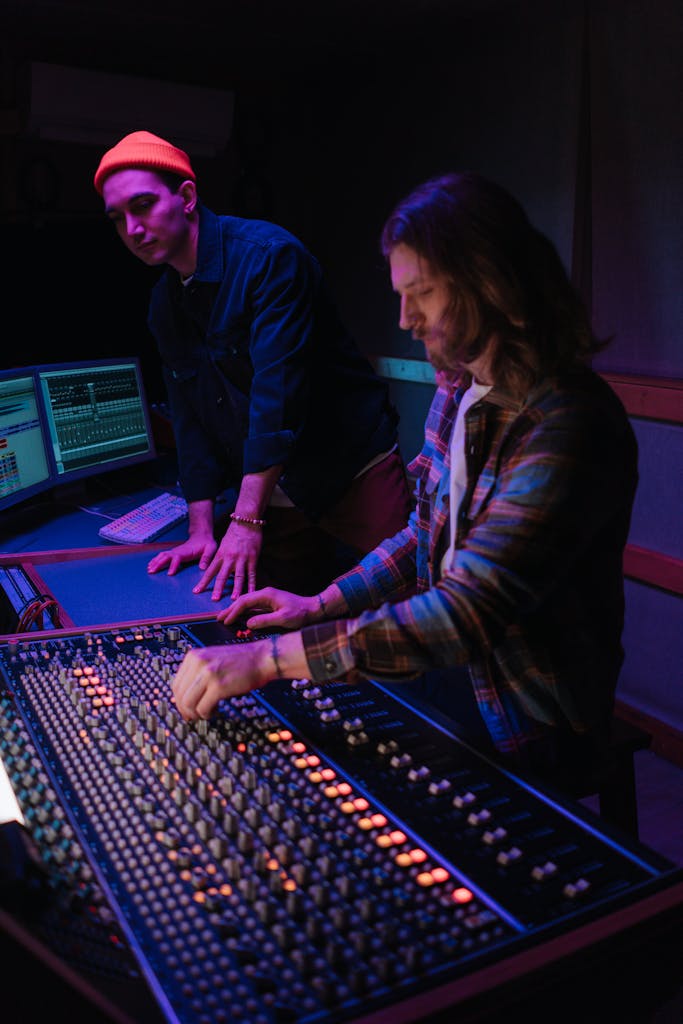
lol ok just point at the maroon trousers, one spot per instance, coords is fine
(304, 557)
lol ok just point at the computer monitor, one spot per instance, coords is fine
(24, 463)
(97, 416)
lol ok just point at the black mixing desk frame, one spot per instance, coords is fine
(311, 855)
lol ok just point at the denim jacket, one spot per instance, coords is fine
(259, 370)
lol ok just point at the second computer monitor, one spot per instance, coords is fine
(97, 416)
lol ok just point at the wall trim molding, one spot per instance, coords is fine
(667, 742)
(655, 398)
(658, 398)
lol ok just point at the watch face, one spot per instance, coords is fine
(38, 185)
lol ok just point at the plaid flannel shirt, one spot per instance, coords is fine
(533, 601)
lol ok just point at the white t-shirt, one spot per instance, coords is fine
(458, 464)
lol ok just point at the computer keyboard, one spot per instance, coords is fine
(145, 523)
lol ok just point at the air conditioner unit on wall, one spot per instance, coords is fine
(98, 108)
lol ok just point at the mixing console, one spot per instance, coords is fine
(308, 855)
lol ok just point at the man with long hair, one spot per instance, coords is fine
(502, 599)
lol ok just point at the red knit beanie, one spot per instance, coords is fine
(142, 149)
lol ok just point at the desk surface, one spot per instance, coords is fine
(94, 581)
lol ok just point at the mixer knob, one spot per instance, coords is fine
(218, 847)
(252, 816)
(320, 895)
(245, 842)
(461, 800)
(479, 817)
(309, 846)
(387, 748)
(227, 785)
(492, 836)
(292, 828)
(506, 857)
(401, 761)
(263, 794)
(340, 918)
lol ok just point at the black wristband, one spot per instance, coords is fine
(274, 656)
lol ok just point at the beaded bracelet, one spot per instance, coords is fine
(236, 518)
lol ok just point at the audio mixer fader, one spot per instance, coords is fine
(311, 854)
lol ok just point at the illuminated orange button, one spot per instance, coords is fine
(440, 875)
(225, 889)
(404, 860)
(108, 701)
(274, 737)
(331, 792)
(101, 689)
(300, 762)
(88, 670)
(360, 803)
(241, 747)
(285, 734)
(289, 885)
(199, 897)
(378, 820)
(90, 691)
(272, 864)
(344, 788)
(97, 702)
(78, 671)
(384, 841)
(95, 680)
(365, 824)
(347, 807)
(425, 879)
(461, 895)
(315, 777)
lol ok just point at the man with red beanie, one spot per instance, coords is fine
(268, 393)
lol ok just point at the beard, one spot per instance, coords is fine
(440, 349)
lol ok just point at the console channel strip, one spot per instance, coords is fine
(310, 854)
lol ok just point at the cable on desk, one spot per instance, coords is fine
(32, 613)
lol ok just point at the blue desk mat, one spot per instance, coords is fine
(114, 586)
(98, 591)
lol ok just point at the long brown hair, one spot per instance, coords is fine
(506, 277)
